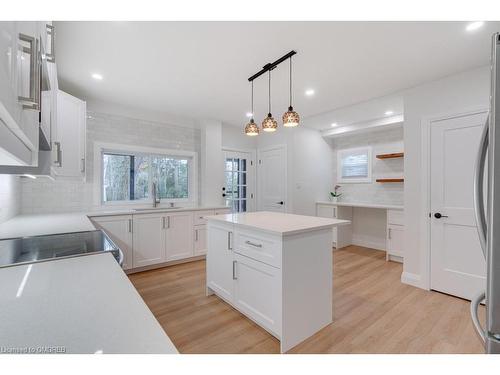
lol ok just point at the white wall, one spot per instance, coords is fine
(47, 196)
(381, 141)
(454, 94)
(309, 166)
(234, 138)
(10, 197)
(369, 225)
(212, 173)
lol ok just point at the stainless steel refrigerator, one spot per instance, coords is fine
(487, 210)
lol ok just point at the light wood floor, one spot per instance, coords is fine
(373, 313)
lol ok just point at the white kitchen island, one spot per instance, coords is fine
(276, 269)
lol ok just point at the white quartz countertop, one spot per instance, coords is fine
(365, 205)
(131, 211)
(76, 305)
(278, 223)
(38, 225)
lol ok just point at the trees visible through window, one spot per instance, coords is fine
(129, 177)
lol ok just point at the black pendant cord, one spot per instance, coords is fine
(252, 102)
(290, 81)
(269, 114)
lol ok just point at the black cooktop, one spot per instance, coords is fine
(55, 246)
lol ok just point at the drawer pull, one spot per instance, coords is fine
(234, 270)
(253, 244)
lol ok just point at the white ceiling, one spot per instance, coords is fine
(200, 69)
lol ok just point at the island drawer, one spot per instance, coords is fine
(199, 216)
(261, 247)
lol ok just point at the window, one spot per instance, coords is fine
(354, 165)
(129, 176)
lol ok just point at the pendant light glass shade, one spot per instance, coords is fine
(291, 118)
(269, 124)
(252, 129)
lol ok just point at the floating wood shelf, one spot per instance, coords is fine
(390, 180)
(391, 156)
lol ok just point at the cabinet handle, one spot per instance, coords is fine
(334, 212)
(163, 222)
(253, 244)
(234, 270)
(196, 235)
(389, 233)
(51, 31)
(32, 101)
(83, 165)
(168, 222)
(130, 225)
(229, 246)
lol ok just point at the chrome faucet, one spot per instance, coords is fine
(156, 198)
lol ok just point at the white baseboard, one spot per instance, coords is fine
(411, 279)
(372, 244)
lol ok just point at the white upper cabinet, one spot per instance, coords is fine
(69, 140)
(20, 62)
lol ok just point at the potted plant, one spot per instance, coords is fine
(335, 194)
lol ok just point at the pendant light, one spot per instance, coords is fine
(252, 129)
(291, 118)
(269, 124)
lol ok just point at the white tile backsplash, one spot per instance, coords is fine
(10, 197)
(47, 196)
(382, 141)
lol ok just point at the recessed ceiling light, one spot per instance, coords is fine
(474, 25)
(388, 113)
(249, 114)
(333, 124)
(309, 92)
(97, 76)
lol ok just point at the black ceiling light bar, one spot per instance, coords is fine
(270, 66)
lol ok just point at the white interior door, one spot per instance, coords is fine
(239, 180)
(457, 263)
(271, 179)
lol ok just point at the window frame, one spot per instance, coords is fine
(341, 154)
(121, 149)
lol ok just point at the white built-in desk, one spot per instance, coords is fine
(342, 236)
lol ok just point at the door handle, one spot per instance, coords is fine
(280, 202)
(196, 235)
(438, 215)
(474, 305)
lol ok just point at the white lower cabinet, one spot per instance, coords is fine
(395, 235)
(220, 266)
(179, 239)
(272, 279)
(263, 307)
(200, 239)
(149, 239)
(119, 229)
